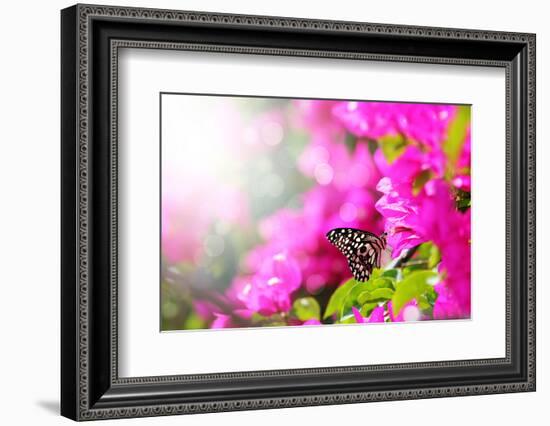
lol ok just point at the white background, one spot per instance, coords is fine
(29, 225)
(146, 352)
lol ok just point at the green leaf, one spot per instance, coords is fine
(351, 142)
(372, 145)
(392, 146)
(193, 322)
(347, 295)
(381, 294)
(306, 308)
(457, 133)
(170, 309)
(414, 285)
(414, 267)
(431, 296)
(363, 297)
(430, 253)
(382, 282)
(376, 272)
(348, 319)
(378, 295)
(274, 323)
(463, 205)
(426, 302)
(463, 200)
(435, 257)
(423, 303)
(391, 273)
(258, 318)
(351, 298)
(423, 251)
(337, 299)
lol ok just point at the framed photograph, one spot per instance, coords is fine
(263, 212)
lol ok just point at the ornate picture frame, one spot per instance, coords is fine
(91, 37)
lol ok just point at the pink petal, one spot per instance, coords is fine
(358, 317)
(377, 315)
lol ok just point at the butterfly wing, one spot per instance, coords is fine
(361, 248)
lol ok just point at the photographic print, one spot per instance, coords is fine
(204, 208)
(301, 212)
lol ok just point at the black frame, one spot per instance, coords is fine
(90, 38)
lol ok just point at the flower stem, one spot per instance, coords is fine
(403, 258)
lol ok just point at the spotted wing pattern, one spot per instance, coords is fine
(362, 249)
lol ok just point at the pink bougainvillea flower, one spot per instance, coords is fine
(330, 162)
(284, 268)
(346, 201)
(449, 229)
(209, 304)
(367, 119)
(222, 321)
(409, 312)
(432, 216)
(269, 290)
(410, 164)
(462, 179)
(400, 209)
(463, 182)
(312, 322)
(454, 293)
(464, 159)
(446, 306)
(205, 309)
(359, 319)
(315, 114)
(263, 297)
(426, 123)
(377, 315)
(294, 253)
(302, 233)
(343, 196)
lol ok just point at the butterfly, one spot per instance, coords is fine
(362, 249)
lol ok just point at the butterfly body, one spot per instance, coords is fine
(362, 249)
